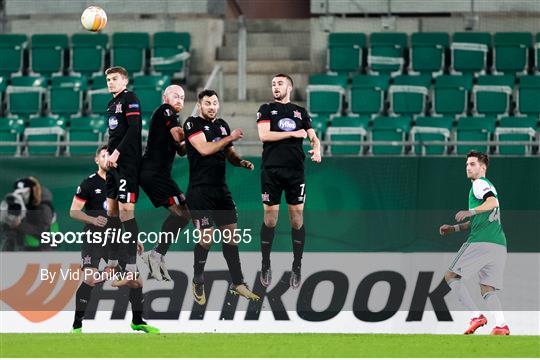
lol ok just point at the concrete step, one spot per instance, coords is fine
(268, 67)
(258, 86)
(271, 39)
(271, 25)
(266, 53)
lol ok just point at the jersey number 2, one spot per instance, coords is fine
(122, 185)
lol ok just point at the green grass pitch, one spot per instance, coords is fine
(266, 345)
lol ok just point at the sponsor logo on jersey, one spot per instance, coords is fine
(118, 108)
(113, 122)
(133, 106)
(287, 124)
(223, 130)
(297, 114)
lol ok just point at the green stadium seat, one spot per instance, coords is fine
(47, 53)
(66, 95)
(450, 94)
(390, 129)
(319, 123)
(129, 51)
(347, 128)
(516, 129)
(537, 53)
(149, 97)
(492, 95)
(511, 52)
(155, 81)
(88, 53)
(408, 95)
(11, 53)
(431, 129)
(387, 52)
(3, 86)
(528, 95)
(474, 129)
(325, 94)
(98, 101)
(88, 129)
(427, 52)
(98, 82)
(25, 95)
(11, 129)
(46, 128)
(170, 52)
(366, 96)
(469, 51)
(345, 52)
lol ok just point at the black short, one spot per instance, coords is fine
(161, 188)
(211, 205)
(276, 180)
(91, 254)
(123, 184)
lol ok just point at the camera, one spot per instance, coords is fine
(13, 206)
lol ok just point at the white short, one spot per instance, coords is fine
(482, 258)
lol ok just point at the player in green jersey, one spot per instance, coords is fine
(484, 252)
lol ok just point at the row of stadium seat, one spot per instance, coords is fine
(417, 95)
(26, 96)
(402, 135)
(396, 130)
(88, 54)
(26, 134)
(433, 52)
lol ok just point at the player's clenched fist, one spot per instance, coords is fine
(237, 134)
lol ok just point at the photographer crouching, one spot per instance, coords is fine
(25, 213)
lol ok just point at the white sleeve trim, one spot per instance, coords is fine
(481, 188)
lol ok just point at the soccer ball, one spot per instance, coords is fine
(94, 18)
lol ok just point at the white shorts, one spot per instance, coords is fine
(482, 258)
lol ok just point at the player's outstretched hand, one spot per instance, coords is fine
(247, 164)
(300, 134)
(177, 134)
(446, 229)
(99, 221)
(237, 134)
(462, 215)
(315, 155)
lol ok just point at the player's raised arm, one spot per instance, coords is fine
(236, 160)
(266, 135)
(205, 148)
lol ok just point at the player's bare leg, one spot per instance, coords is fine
(229, 245)
(200, 254)
(271, 213)
(458, 287)
(489, 293)
(155, 258)
(298, 236)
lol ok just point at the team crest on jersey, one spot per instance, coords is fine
(87, 260)
(287, 124)
(205, 221)
(118, 108)
(223, 130)
(113, 122)
(297, 114)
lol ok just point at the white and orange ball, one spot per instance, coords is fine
(94, 18)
